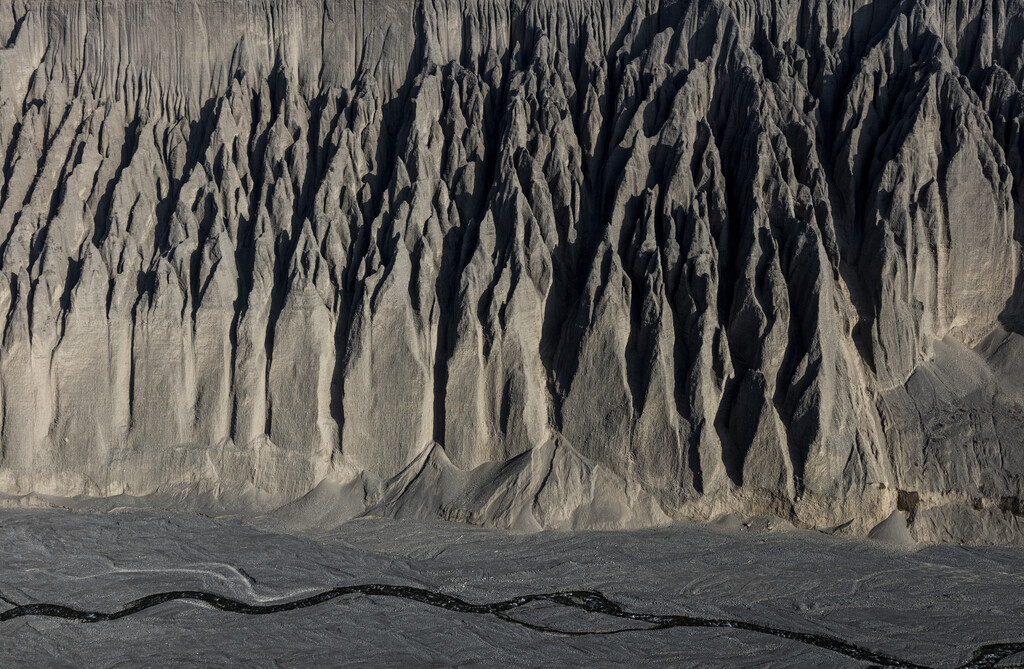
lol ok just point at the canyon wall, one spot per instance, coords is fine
(532, 263)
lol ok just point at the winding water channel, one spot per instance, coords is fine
(589, 601)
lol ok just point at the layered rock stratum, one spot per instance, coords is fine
(530, 263)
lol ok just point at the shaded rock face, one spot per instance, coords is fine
(751, 256)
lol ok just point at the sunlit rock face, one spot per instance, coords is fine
(533, 263)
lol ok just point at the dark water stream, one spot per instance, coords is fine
(589, 601)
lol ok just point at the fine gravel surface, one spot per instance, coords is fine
(435, 594)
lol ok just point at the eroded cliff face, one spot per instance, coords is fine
(617, 258)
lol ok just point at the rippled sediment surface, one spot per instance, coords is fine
(171, 588)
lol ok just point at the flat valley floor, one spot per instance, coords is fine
(934, 606)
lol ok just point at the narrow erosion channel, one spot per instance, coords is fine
(590, 601)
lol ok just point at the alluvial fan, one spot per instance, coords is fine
(529, 263)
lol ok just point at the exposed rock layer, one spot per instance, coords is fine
(707, 256)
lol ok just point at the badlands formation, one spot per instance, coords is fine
(523, 263)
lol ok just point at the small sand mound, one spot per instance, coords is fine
(763, 524)
(893, 530)
(729, 521)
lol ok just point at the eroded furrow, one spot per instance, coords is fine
(588, 601)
